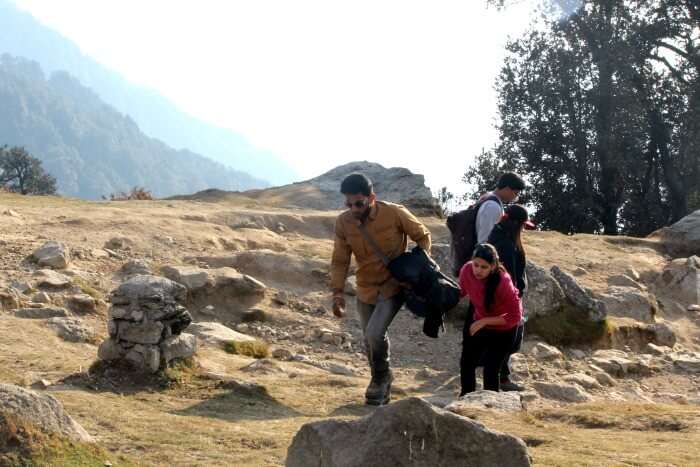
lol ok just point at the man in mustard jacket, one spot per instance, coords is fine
(379, 296)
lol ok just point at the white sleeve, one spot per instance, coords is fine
(488, 216)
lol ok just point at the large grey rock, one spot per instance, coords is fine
(629, 302)
(41, 313)
(51, 279)
(396, 185)
(217, 333)
(682, 239)
(623, 280)
(410, 432)
(110, 350)
(544, 294)
(192, 277)
(182, 346)
(82, 303)
(689, 363)
(583, 380)
(502, 401)
(579, 296)
(42, 410)
(240, 283)
(543, 352)
(54, 255)
(564, 392)
(71, 329)
(144, 357)
(148, 289)
(136, 267)
(681, 280)
(145, 332)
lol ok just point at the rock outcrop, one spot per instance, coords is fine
(396, 185)
(681, 279)
(682, 239)
(410, 432)
(42, 410)
(146, 322)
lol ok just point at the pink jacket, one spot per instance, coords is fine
(506, 301)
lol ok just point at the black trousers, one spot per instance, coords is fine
(489, 348)
(517, 344)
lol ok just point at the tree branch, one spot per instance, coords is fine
(675, 49)
(674, 71)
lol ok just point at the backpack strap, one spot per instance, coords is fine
(372, 243)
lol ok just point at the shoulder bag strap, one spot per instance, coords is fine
(372, 243)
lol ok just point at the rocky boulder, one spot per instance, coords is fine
(42, 410)
(629, 302)
(565, 392)
(580, 297)
(682, 238)
(71, 329)
(410, 432)
(560, 310)
(396, 185)
(544, 294)
(217, 333)
(53, 255)
(191, 277)
(681, 280)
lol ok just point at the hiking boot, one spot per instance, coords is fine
(379, 389)
(507, 385)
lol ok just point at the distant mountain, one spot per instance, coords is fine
(92, 149)
(22, 35)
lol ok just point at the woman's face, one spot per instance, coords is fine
(482, 268)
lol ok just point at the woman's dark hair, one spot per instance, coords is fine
(356, 184)
(488, 253)
(513, 224)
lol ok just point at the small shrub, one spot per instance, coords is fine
(136, 193)
(255, 349)
(87, 288)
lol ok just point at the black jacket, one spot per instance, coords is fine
(432, 293)
(511, 257)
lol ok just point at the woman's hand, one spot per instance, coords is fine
(476, 327)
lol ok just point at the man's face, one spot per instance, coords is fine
(511, 195)
(359, 204)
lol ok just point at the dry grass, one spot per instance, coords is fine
(255, 349)
(23, 445)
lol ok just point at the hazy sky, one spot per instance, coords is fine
(320, 83)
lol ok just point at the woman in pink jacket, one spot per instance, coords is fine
(489, 337)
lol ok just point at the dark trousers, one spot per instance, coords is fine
(520, 333)
(505, 368)
(489, 348)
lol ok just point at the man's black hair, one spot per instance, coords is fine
(511, 180)
(355, 184)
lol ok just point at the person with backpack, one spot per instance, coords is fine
(474, 224)
(374, 232)
(506, 237)
(489, 336)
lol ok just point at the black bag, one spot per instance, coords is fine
(462, 226)
(431, 293)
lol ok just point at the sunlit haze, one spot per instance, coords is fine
(319, 83)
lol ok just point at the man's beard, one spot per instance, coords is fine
(362, 215)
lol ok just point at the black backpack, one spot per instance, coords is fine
(462, 227)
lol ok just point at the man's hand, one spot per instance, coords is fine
(476, 327)
(338, 305)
